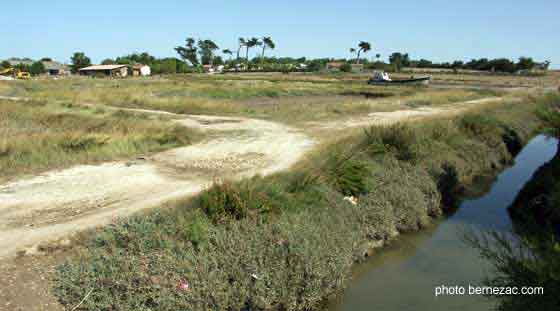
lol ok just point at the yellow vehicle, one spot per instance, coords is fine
(23, 75)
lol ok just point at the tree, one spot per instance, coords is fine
(525, 63)
(217, 60)
(228, 52)
(377, 56)
(46, 59)
(241, 44)
(6, 64)
(79, 60)
(206, 50)
(352, 52)
(399, 60)
(362, 47)
(267, 43)
(248, 45)
(107, 61)
(37, 68)
(189, 51)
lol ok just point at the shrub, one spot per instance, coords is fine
(410, 193)
(227, 200)
(346, 67)
(347, 174)
(399, 139)
(290, 264)
(484, 127)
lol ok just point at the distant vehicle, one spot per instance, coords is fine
(382, 78)
(23, 75)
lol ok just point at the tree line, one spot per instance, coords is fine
(197, 53)
(401, 60)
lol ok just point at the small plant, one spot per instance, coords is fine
(227, 200)
(81, 143)
(399, 139)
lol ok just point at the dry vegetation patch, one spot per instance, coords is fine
(37, 136)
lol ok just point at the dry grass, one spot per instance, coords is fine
(37, 136)
(293, 99)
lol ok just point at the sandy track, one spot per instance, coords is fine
(56, 204)
(407, 115)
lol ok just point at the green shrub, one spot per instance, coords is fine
(347, 174)
(290, 264)
(346, 67)
(399, 139)
(484, 127)
(410, 192)
(227, 200)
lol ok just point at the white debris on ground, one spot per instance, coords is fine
(352, 199)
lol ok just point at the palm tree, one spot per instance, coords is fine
(352, 51)
(206, 51)
(242, 43)
(267, 43)
(377, 56)
(248, 45)
(228, 52)
(363, 47)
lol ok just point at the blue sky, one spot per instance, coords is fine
(441, 30)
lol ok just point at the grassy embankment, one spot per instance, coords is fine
(294, 102)
(37, 136)
(288, 241)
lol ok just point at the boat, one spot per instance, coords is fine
(382, 78)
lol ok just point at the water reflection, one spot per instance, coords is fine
(403, 277)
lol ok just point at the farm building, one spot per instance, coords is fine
(105, 70)
(141, 70)
(55, 68)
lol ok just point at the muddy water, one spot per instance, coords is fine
(404, 276)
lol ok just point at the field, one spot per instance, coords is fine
(245, 180)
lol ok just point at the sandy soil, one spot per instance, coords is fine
(407, 115)
(55, 204)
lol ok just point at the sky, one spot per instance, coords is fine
(439, 30)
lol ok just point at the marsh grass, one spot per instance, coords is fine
(289, 100)
(37, 136)
(286, 241)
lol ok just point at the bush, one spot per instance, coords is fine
(399, 139)
(290, 264)
(225, 201)
(346, 67)
(483, 127)
(410, 192)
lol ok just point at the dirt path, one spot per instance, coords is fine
(408, 115)
(55, 204)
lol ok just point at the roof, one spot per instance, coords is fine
(139, 66)
(54, 66)
(102, 67)
(335, 64)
